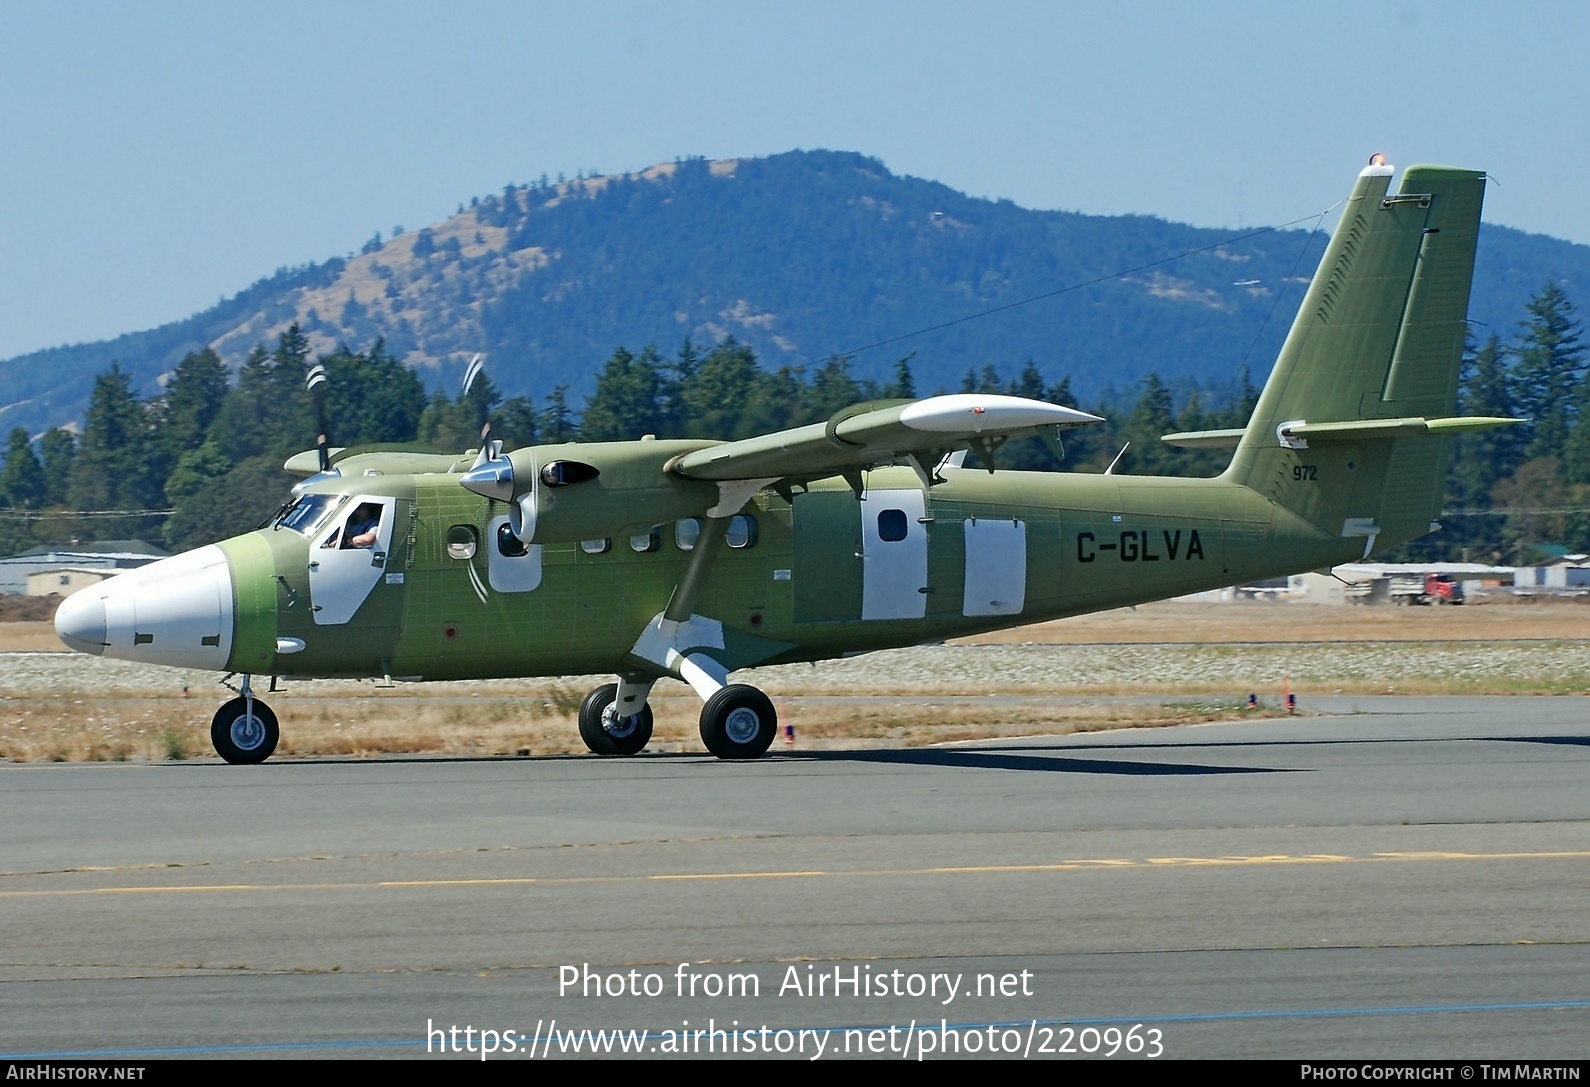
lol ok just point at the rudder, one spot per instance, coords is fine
(1341, 435)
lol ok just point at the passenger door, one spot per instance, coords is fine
(894, 554)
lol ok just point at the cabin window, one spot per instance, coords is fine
(646, 541)
(741, 532)
(510, 546)
(462, 542)
(687, 532)
(596, 547)
(892, 526)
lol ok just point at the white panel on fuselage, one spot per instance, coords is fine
(340, 578)
(893, 571)
(996, 567)
(510, 573)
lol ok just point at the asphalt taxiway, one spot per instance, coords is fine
(1405, 878)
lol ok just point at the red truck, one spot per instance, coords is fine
(1430, 589)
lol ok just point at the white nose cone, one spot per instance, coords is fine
(177, 611)
(80, 621)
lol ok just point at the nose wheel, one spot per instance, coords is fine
(606, 731)
(244, 731)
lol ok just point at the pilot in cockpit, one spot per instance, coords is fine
(362, 526)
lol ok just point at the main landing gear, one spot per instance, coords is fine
(737, 722)
(244, 730)
(608, 731)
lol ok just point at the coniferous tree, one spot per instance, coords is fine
(455, 425)
(717, 394)
(22, 477)
(193, 397)
(1547, 374)
(267, 412)
(557, 421)
(1197, 462)
(1247, 400)
(775, 403)
(625, 403)
(58, 452)
(1485, 457)
(194, 470)
(227, 505)
(113, 468)
(1150, 418)
(371, 399)
(831, 389)
(904, 387)
(1028, 383)
(515, 423)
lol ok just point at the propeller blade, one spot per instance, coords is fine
(472, 371)
(315, 382)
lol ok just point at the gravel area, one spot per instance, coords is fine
(1541, 667)
(1548, 666)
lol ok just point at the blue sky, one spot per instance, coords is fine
(155, 156)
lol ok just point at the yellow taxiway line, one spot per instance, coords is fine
(1092, 864)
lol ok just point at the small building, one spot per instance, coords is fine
(1563, 572)
(66, 580)
(1373, 582)
(109, 555)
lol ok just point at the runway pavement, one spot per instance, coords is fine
(1407, 878)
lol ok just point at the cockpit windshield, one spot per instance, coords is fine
(308, 513)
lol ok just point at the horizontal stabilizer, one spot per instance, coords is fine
(1204, 439)
(1368, 429)
(1358, 430)
(881, 432)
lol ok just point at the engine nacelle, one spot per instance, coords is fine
(587, 491)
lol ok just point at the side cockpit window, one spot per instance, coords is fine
(364, 523)
(308, 513)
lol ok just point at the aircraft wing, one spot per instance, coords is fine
(881, 432)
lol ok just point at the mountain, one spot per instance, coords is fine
(801, 255)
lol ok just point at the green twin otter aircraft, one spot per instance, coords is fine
(693, 559)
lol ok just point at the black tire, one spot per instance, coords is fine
(606, 733)
(738, 722)
(239, 738)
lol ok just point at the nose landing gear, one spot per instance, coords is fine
(244, 730)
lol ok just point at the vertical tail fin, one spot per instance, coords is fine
(1379, 338)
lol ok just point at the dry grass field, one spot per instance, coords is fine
(1160, 664)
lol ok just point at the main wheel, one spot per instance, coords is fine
(241, 736)
(605, 732)
(738, 722)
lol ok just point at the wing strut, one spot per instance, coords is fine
(682, 604)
